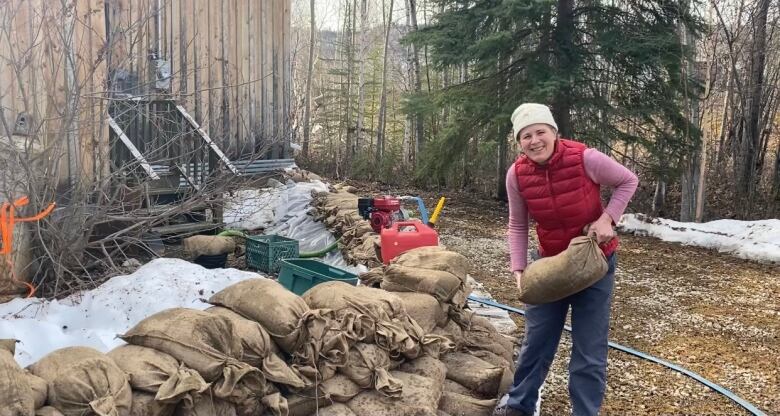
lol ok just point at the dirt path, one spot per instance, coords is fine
(714, 314)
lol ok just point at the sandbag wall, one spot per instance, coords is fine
(407, 346)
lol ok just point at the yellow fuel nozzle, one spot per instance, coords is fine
(436, 212)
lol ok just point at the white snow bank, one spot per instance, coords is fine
(94, 318)
(754, 240)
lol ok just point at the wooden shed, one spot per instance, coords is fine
(68, 67)
(160, 92)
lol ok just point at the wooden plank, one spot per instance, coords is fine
(268, 98)
(208, 140)
(234, 63)
(173, 19)
(278, 81)
(244, 102)
(133, 150)
(99, 81)
(199, 54)
(225, 96)
(287, 55)
(211, 67)
(253, 7)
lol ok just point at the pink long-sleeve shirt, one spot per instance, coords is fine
(600, 168)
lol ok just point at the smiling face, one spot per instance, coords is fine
(538, 142)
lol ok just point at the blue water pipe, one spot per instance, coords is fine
(718, 388)
(420, 207)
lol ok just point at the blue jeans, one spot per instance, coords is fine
(588, 365)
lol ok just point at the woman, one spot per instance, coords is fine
(557, 182)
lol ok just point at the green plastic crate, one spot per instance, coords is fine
(263, 252)
(300, 275)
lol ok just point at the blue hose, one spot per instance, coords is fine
(720, 389)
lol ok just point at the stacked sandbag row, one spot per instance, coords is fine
(433, 287)
(383, 340)
(346, 343)
(338, 212)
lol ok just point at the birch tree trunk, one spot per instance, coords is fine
(362, 72)
(748, 149)
(380, 134)
(419, 137)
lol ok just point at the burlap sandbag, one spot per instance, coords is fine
(337, 409)
(366, 250)
(207, 245)
(435, 258)
(553, 278)
(340, 295)
(340, 388)
(16, 396)
(258, 348)
(367, 314)
(204, 342)
(455, 387)
(159, 374)
(424, 309)
(207, 406)
(355, 231)
(373, 277)
(442, 285)
(451, 331)
(474, 373)
(426, 366)
(368, 368)
(507, 377)
(324, 351)
(144, 404)
(48, 411)
(307, 402)
(480, 334)
(256, 298)
(83, 381)
(40, 389)
(420, 398)
(456, 404)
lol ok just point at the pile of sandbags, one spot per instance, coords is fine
(16, 393)
(84, 381)
(432, 285)
(338, 211)
(407, 346)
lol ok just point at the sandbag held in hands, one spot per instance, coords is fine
(553, 278)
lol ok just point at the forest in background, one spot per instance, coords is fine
(419, 92)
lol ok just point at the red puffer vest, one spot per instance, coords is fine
(560, 196)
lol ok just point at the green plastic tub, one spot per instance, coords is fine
(300, 275)
(264, 252)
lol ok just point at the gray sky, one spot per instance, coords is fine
(328, 12)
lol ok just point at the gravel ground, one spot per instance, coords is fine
(714, 314)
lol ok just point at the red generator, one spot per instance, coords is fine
(406, 235)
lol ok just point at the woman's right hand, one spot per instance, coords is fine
(518, 276)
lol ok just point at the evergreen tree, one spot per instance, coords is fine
(611, 71)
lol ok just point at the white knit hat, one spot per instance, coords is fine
(531, 113)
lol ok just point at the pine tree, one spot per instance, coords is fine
(612, 71)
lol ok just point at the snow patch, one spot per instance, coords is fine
(94, 318)
(753, 240)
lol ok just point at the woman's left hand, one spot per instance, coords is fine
(602, 229)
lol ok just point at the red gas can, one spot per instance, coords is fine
(406, 235)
